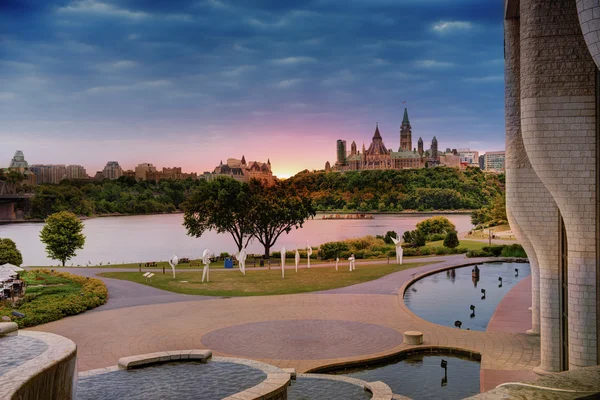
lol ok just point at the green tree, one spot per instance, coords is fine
(277, 209)
(222, 205)
(62, 236)
(435, 225)
(451, 240)
(9, 253)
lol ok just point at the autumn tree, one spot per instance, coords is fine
(62, 236)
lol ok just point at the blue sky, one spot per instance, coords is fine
(190, 82)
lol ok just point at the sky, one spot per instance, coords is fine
(192, 82)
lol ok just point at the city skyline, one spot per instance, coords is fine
(176, 83)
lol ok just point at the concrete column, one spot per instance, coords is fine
(532, 210)
(558, 122)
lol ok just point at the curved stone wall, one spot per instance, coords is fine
(532, 209)
(558, 121)
(589, 19)
(48, 376)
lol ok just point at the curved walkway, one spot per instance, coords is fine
(273, 324)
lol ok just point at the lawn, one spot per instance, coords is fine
(467, 244)
(265, 282)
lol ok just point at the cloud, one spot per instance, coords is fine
(451, 26)
(266, 25)
(95, 7)
(136, 86)
(124, 64)
(237, 71)
(294, 60)
(433, 64)
(288, 83)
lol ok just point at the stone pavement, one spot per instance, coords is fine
(349, 325)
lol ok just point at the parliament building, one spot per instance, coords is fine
(378, 156)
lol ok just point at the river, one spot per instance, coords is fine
(156, 237)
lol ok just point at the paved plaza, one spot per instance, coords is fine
(302, 331)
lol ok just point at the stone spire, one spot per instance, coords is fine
(243, 160)
(377, 135)
(420, 146)
(434, 149)
(269, 161)
(405, 120)
(353, 148)
(405, 133)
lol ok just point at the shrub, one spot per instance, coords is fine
(461, 250)
(414, 238)
(76, 295)
(514, 250)
(9, 253)
(388, 237)
(425, 251)
(331, 250)
(224, 255)
(410, 252)
(496, 251)
(435, 237)
(451, 240)
(478, 253)
(436, 225)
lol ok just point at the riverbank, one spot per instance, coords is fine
(415, 213)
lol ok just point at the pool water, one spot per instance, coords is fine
(447, 296)
(181, 380)
(17, 350)
(325, 389)
(420, 376)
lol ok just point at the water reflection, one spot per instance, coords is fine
(448, 301)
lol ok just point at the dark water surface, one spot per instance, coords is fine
(183, 381)
(420, 376)
(325, 389)
(17, 350)
(446, 297)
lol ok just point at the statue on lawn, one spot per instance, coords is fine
(206, 260)
(173, 263)
(399, 251)
(352, 260)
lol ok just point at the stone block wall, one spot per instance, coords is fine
(589, 19)
(558, 122)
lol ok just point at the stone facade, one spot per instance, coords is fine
(243, 171)
(551, 72)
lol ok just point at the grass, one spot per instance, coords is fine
(478, 234)
(468, 244)
(265, 282)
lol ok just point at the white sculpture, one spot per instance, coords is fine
(337, 261)
(173, 263)
(206, 260)
(399, 250)
(297, 258)
(283, 262)
(241, 257)
(352, 260)
(308, 252)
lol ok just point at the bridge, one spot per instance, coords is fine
(13, 203)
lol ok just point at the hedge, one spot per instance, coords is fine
(505, 250)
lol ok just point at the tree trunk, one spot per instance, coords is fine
(63, 262)
(267, 252)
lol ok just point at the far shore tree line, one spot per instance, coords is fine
(427, 189)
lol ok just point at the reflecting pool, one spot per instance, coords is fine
(446, 297)
(17, 350)
(319, 389)
(181, 380)
(420, 376)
